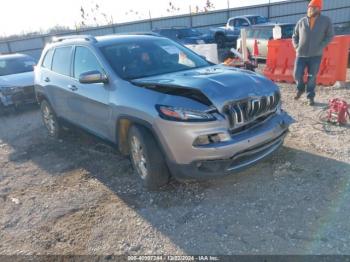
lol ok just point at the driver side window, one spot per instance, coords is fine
(84, 61)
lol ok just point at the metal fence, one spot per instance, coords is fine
(286, 11)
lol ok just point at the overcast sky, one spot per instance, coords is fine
(17, 16)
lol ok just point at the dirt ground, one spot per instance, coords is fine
(79, 196)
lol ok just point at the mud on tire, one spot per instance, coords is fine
(50, 120)
(147, 158)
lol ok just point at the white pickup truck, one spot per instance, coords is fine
(229, 33)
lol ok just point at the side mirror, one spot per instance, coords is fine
(93, 77)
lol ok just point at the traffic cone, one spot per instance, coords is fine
(256, 52)
(256, 49)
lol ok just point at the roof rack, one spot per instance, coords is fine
(140, 33)
(70, 37)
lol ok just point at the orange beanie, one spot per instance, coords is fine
(316, 3)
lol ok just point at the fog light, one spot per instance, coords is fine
(211, 139)
(201, 141)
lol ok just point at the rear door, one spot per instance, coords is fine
(59, 80)
(41, 76)
(90, 102)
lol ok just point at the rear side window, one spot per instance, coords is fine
(48, 59)
(85, 61)
(61, 60)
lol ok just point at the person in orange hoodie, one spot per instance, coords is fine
(311, 35)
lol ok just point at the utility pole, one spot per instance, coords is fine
(268, 10)
(191, 21)
(113, 25)
(228, 10)
(150, 19)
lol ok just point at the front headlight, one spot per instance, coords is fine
(185, 115)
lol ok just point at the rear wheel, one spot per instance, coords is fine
(50, 120)
(147, 159)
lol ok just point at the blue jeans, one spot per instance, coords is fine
(313, 65)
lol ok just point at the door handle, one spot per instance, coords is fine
(72, 87)
(47, 79)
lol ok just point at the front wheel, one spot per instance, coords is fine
(50, 120)
(147, 159)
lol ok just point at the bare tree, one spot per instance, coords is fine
(57, 29)
(208, 6)
(172, 8)
(92, 15)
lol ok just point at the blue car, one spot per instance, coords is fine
(186, 35)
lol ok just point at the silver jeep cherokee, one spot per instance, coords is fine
(174, 112)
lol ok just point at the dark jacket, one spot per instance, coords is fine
(309, 43)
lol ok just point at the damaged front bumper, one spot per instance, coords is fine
(14, 96)
(241, 151)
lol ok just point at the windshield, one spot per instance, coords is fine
(189, 32)
(149, 57)
(254, 20)
(11, 66)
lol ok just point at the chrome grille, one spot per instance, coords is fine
(240, 113)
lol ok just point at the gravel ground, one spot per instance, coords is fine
(79, 196)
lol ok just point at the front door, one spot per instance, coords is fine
(90, 101)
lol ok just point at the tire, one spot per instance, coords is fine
(50, 120)
(220, 41)
(147, 158)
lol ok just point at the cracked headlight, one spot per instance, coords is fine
(185, 115)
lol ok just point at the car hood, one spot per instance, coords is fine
(220, 84)
(17, 80)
